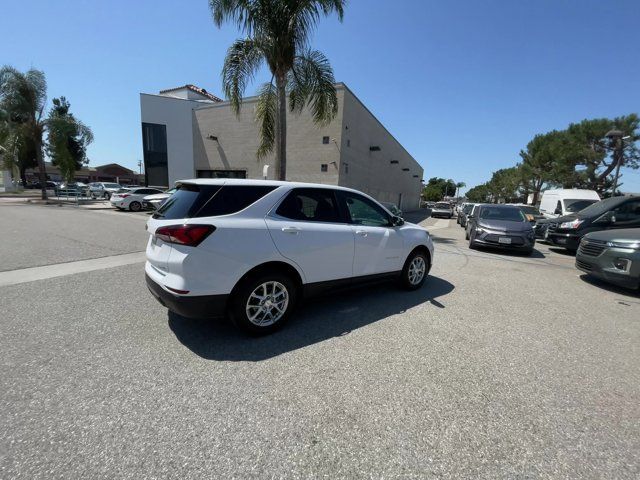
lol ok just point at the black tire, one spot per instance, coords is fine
(405, 280)
(135, 206)
(239, 301)
(529, 252)
(466, 234)
(106, 196)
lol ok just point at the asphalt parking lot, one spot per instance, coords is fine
(501, 366)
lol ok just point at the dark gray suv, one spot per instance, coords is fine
(501, 226)
(612, 255)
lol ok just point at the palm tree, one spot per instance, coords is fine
(67, 140)
(459, 185)
(23, 97)
(277, 33)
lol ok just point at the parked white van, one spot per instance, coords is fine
(559, 202)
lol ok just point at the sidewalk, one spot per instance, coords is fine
(88, 204)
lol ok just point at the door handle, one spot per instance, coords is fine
(362, 233)
(293, 230)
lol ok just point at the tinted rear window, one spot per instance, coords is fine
(502, 213)
(443, 205)
(192, 201)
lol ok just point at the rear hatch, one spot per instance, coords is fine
(183, 204)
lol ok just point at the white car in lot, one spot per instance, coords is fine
(153, 202)
(252, 248)
(103, 189)
(132, 198)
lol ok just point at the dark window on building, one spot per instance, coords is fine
(221, 174)
(346, 168)
(324, 167)
(348, 142)
(310, 205)
(325, 140)
(192, 201)
(154, 150)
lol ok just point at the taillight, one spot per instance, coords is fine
(123, 195)
(189, 235)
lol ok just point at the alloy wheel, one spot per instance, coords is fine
(417, 269)
(267, 303)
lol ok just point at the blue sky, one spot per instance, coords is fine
(463, 85)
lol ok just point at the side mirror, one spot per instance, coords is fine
(397, 221)
(469, 217)
(557, 211)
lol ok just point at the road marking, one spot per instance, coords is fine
(24, 275)
(440, 224)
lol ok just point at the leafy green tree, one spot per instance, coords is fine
(596, 156)
(541, 162)
(479, 194)
(278, 34)
(437, 188)
(505, 184)
(459, 185)
(67, 139)
(23, 98)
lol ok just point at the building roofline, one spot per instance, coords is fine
(195, 89)
(345, 87)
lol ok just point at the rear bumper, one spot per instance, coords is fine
(192, 307)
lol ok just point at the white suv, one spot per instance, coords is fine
(252, 248)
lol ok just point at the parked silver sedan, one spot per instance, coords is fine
(501, 226)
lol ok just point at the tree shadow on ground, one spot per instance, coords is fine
(315, 321)
(610, 287)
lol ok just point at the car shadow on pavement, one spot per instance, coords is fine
(610, 287)
(511, 253)
(443, 239)
(316, 320)
(562, 251)
(417, 216)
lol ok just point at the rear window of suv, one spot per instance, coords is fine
(193, 201)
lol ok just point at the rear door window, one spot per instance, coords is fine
(310, 205)
(193, 201)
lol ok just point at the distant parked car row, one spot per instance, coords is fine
(605, 235)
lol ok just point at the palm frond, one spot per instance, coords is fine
(311, 83)
(305, 15)
(240, 66)
(244, 13)
(266, 111)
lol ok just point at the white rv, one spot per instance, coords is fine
(559, 202)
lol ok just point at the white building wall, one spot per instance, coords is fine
(177, 115)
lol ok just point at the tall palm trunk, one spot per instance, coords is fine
(42, 174)
(281, 129)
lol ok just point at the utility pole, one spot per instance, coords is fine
(140, 166)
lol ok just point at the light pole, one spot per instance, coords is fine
(616, 137)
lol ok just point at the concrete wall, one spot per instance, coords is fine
(177, 115)
(372, 171)
(238, 142)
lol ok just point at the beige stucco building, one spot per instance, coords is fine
(187, 132)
